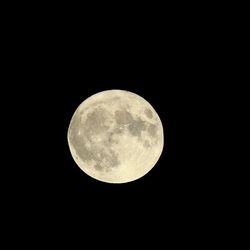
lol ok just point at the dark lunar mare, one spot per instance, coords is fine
(94, 125)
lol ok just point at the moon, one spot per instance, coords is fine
(115, 136)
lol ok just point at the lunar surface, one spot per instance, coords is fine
(115, 136)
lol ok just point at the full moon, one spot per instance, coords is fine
(115, 136)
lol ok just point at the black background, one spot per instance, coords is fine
(178, 188)
(59, 63)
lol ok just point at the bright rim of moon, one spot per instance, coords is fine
(115, 136)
